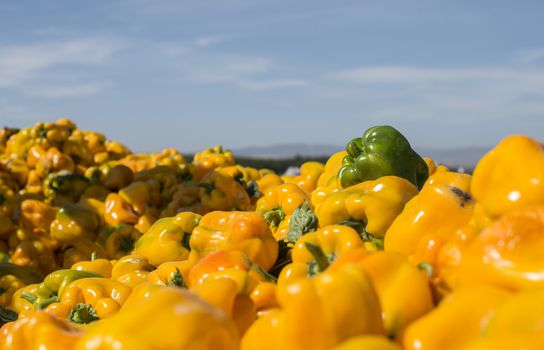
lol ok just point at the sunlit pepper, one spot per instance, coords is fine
(171, 273)
(309, 175)
(368, 342)
(73, 223)
(314, 252)
(510, 176)
(138, 194)
(39, 331)
(34, 254)
(131, 270)
(402, 288)
(268, 181)
(82, 250)
(318, 313)
(245, 231)
(100, 266)
(168, 238)
(118, 177)
(65, 186)
(90, 299)
(375, 204)
(166, 311)
(36, 216)
(9, 284)
(118, 210)
(507, 253)
(434, 214)
(461, 317)
(211, 158)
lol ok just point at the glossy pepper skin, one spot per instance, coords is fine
(9, 284)
(375, 204)
(131, 270)
(175, 319)
(381, 151)
(168, 238)
(171, 273)
(74, 223)
(331, 307)
(466, 310)
(435, 213)
(119, 240)
(510, 176)
(402, 288)
(209, 159)
(308, 178)
(507, 253)
(100, 266)
(39, 331)
(368, 342)
(235, 230)
(90, 299)
(315, 251)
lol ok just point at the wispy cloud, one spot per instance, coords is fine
(22, 65)
(530, 56)
(206, 41)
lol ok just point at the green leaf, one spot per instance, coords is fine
(274, 216)
(302, 221)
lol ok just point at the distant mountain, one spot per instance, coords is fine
(465, 157)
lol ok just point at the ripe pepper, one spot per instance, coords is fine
(236, 230)
(375, 204)
(39, 331)
(461, 317)
(222, 192)
(131, 270)
(118, 177)
(368, 342)
(119, 240)
(507, 253)
(73, 223)
(510, 176)
(34, 254)
(318, 313)
(81, 251)
(433, 168)
(280, 202)
(175, 319)
(90, 299)
(118, 210)
(171, 273)
(36, 216)
(381, 151)
(168, 238)
(9, 284)
(209, 159)
(402, 288)
(309, 175)
(139, 195)
(102, 267)
(65, 186)
(314, 252)
(268, 181)
(434, 214)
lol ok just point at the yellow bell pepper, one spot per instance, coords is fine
(508, 253)
(34, 254)
(101, 266)
(375, 204)
(168, 238)
(131, 270)
(20, 304)
(222, 192)
(510, 176)
(171, 273)
(90, 299)
(118, 177)
(308, 178)
(118, 210)
(119, 240)
(82, 250)
(368, 342)
(236, 230)
(318, 313)
(460, 318)
(36, 216)
(268, 181)
(73, 223)
(314, 252)
(402, 288)
(8, 286)
(264, 297)
(211, 158)
(138, 194)
(433, 168)
(436, 212)
(175, 319)
(39, 331)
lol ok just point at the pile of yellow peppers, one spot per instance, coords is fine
(101, 248)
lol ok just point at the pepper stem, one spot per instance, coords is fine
(83, 314)
(318, 255)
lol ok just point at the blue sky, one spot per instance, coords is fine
(190, 74)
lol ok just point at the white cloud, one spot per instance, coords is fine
(206, 41)
(530, 56)
(22, 65)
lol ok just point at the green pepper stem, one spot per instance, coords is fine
(318, 255)
(83, 314)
